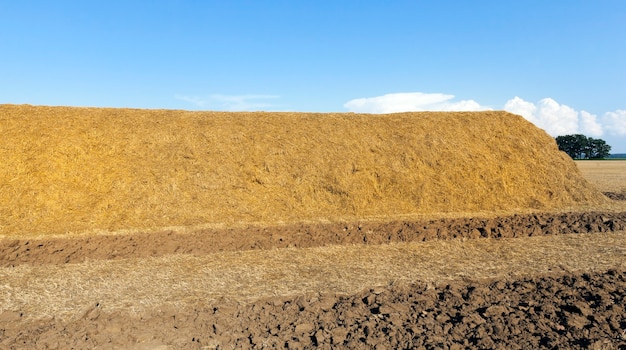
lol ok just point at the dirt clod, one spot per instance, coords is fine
(550, 311)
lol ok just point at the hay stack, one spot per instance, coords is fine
(75, 169)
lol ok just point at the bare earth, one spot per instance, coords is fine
(532, 280)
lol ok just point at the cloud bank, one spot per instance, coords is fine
(558, 119)
(231, 102)
(411, 101)
(555, 118)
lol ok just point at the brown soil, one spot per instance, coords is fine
(584, 310)
(14, 252)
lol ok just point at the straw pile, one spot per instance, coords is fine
(77, 169)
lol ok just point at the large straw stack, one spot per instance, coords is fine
(78, 169)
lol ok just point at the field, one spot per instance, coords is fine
(608, 176)
(548, 271)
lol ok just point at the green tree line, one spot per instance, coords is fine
(582, 147)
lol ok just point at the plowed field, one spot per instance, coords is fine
(523, 281)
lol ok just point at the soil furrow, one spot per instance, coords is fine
(14, 252)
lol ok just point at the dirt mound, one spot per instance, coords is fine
(585, 310)
(44, 250)
(83, 169)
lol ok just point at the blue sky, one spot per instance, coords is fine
(558, 63)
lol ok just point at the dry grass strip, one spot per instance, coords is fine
(63, 291)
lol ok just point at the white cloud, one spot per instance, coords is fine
(198, 101)
(615, 122)
(523, 108)
(548, 114)
(561, 119)
(557, 119)
(589, 123)
(411, 101)
(231, 102)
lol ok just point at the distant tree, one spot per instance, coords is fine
(573, 145)
(581, 147)
(597, 149)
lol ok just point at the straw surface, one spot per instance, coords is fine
(78, 169)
